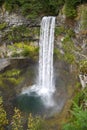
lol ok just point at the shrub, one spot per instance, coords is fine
(22, 33)
(17, 123)
(3, 116)
(70, 8)
(84, 18)
(29, 51)
(68, 47)
(59, 30)
(11, 76)
(35, 123)
(15, 54)
(23, 49)
(70, 12)
(83, 66)
(78, 121)
(11, 73)
(3, 25)
(70, 33)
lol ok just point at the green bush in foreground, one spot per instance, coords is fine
(3, 116)
(78, 121)
(17, 120)
(35, 123)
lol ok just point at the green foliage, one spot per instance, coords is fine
(81, 99)
(11, 73)
(68, 126)
(52, 7)
(70, 32)
(70, 10)
(29, 51)
(83, 66)
(32, 15)
(23, 49)
(68, 47)
(16, 33)
(15, 54)
(17, 123)
(15, 81)
(57, 53)
(68, 44)
(11, 5)
(12, 76)
(3, 116)
(34, 8)
(1, 82)
(69, 57)
(22, 33)
(78, 120)
(72, 2)
(60, 30)
(3, 25)
(26, 52)
(84, 18)
(35, 123)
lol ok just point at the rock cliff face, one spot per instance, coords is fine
(12, 25)
(16, 28)
(14, 19)
(71, 39)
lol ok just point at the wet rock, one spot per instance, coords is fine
(4, 63)
(83, 80)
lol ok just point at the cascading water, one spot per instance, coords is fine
(45, 86)
(46, 54)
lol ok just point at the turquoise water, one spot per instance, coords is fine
(30, 103)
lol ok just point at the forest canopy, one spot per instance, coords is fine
(34, 8)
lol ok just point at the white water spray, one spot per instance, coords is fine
(45, 86)
(46, 53)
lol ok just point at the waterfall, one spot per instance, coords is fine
(45, 86)
(46, 44)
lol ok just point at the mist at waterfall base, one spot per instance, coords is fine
(40, 97)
